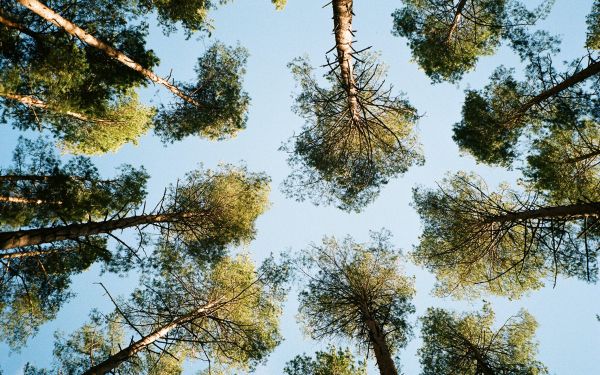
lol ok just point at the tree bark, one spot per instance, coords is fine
(124, 354)
(573, 211)
(583, 157)
(30, 237)
(342, 22)
(17, 26)
(30, 101)
(576, 78)
(456, 19)
(71, 28)
(383, 356)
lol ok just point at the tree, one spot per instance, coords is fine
(226, 313)
(495, 118)
(356, 292)
(447, 37)
(468, 344)
(213, 106)
(213, 208)
(49, 80)
(505, 242)
(39, 190)
(357, 134)
(332, 362)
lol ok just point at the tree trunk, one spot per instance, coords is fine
(26, 254)
(17, 26)
(576, 78)
(56, 19)
(385, 363)
(583, 157)
(30, 237)
(22, 200)
(456, 20)
(30, 101)
(573, 211)
(124, 354)
(342, 22)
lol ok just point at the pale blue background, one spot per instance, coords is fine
(568, 332)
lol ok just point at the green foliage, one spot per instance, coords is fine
(474, 240)
(237, 332)
(593, 22)
(468, 344)
(332, 362)
(56, 191)
(218, 90)
(344, 160)
(491, 124)
(447, 41)
(219, 207)
(33, 288)
(565, 162)
(80, 92)
(350, 284)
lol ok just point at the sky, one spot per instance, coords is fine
(568, 333)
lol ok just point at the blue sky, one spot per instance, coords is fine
(568, 333)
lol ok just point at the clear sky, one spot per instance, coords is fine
(568, 333)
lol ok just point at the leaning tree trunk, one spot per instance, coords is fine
(124, 354)
(571, 81)
(30, 101)
(30, 237)
(71, 28)
(573, 211)
(342, 22)
(21, 200)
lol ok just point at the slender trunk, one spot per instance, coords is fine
(30, 237)
(583, 157)
(576, 78)
(572, 211)
(56, 19)
(456, 19)
(342, 22)
(17, 26)
(22, 200)
(124, 354)
(30, 101)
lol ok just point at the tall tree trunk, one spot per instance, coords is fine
(56, 19)
(456, 19)
(124, 354)
(385, 363)
(30, 237)
(573, 211)
(30, 101)
(571, 81)
(342, 22)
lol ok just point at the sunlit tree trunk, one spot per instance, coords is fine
(456, 20)
(342, 21)
(579, 210)
(383, 356)
(124, 354)
(30, 237)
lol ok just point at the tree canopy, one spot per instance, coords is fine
(504, 242)
(357, 292)
(447, 37)
(335, 361)
(469, 344)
